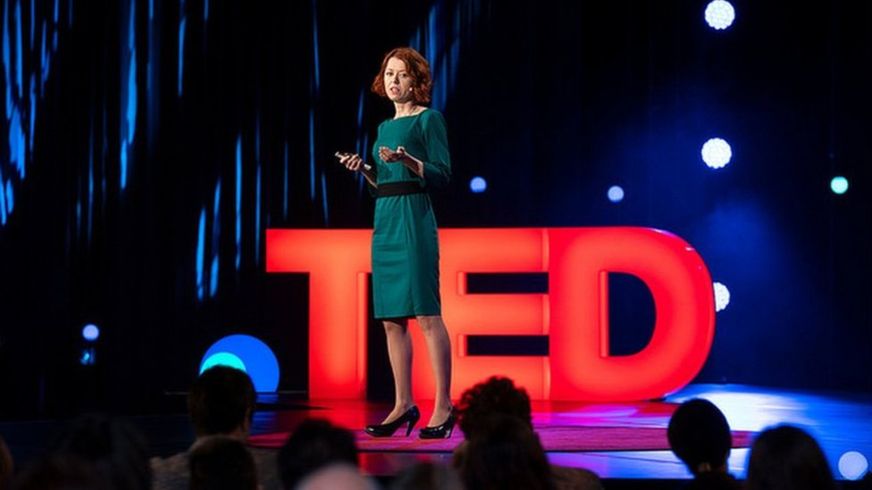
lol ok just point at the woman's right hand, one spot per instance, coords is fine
(351, 161)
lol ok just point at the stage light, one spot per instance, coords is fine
(839, 185)
(720, 14)
(616, 194)
(222, 359)
(853, 465)
(716, 153)
(722, 296)
(91, 332)
(248, 354)
(477, 185)
(88, 356)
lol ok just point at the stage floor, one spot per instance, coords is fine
(839, 421)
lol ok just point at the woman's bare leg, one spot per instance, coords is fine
(400, 355)
(439, 348)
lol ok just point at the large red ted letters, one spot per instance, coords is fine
(573, 314)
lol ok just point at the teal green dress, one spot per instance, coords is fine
(405, 245)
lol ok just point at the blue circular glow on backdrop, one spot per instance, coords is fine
(478, 185)
(248, 354)
(853, 465)
(223, 359)
(91, 332)
(616, 194)
(839, 185)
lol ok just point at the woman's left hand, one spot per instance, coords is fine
(391, 156)
(412, 163)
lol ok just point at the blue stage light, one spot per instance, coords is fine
(720, 14)
(91, 332)
(853, 465)
(222, 359)
(477, 185)
(88, 356)
(248, 354)
(839, 185)
(722, 296)
(616, 194)
(716, 153)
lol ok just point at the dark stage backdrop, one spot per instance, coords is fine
(147, 145)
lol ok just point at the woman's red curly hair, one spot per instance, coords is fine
(416, 65)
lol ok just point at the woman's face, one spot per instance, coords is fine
(398, 82)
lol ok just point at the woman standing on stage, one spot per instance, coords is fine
(410, 156)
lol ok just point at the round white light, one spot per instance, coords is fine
(616, 194)
(91, 332)
(853, 465)
(478, 185)
(716, 153)
(722, 296)
(839, 185)
(720, 14)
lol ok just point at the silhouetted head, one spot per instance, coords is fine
(700, 436)
(313, 445)
(221, 463)
(116, 448)
(336, 476)
(496, 395)
(788, 458)
(221, 401)
(427, 476)
(505, 454)
(714, 480)
(6, 466)
(60, 472)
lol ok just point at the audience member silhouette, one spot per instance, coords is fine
(866, 481)
(314, 444)
(495, 395)
(700, 437)
(222, 463)
(61, 471)
(221, 402)
(427, 476)
(501, 451)
(788, 458)
(6, 466)
(336, 476)
(499, 395)
(505, 454)
(115, 447)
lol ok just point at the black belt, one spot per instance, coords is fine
(399, 189)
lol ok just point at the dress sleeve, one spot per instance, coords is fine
(375, 163)
(374, 154)
(437, 165)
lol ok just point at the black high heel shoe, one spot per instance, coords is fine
(386, 430)
(441, 431)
